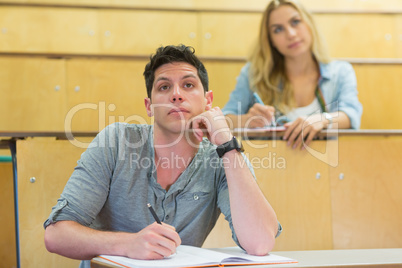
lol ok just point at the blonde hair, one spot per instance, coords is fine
(267, 70)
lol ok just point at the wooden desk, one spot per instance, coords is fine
(352, 258)
(346, 196)
(318, 209)
(8, 140)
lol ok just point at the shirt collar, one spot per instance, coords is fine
(324, 71)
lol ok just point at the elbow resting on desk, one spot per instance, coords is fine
(261, 248)
(261, 245)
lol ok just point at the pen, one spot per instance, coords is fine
(259, 100)
(154, 214)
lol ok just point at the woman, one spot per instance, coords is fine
(291, 72)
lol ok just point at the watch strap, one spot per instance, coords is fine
(233, 144)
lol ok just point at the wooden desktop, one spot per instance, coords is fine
(350, 258)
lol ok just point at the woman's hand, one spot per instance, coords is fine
(301, 131)
(259, 116)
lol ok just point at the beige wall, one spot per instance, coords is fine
(67, 63)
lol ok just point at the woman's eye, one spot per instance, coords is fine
(295, 22)
(278, 29)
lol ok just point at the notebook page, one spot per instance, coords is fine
(186, 256)
(240, 256)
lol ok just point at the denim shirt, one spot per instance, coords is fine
(337, 83)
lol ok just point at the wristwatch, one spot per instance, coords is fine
(329, 118)
(233, 144)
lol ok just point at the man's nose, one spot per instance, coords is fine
(176, 94)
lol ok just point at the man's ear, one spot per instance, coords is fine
(209, 96)
(148, 107)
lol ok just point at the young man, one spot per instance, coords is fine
(188, 179)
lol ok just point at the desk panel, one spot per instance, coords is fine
(296, 184)
(366, 193)
(7, 230)
(50, 163)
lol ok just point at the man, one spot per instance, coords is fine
(188, 179)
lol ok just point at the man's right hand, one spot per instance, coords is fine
(155, 241)
(73, 240)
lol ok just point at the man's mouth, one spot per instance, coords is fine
(178, 110)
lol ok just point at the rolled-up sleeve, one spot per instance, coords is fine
(347, 95)
(87, 189)
(339, 86)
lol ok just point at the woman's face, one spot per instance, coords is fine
(289, 34)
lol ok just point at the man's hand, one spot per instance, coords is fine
(155, 241)
(213, 124)
(73, 240)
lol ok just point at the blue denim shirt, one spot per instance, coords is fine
(337, 82)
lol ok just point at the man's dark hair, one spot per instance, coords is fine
(170, 54)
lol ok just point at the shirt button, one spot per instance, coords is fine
(167, 217)
(196, 197)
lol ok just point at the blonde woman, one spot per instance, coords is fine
(290, 78)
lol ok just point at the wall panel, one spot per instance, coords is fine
(398, 36)
(32, 94)
(231, 34)
(101, 92)
(359, 35)
(380, 93)
(222, 79)
(228, 5)
(141, 32)
(48, 30)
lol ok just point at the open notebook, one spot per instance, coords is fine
(188, 256)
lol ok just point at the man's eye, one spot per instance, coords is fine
(163, 88)
(188, 85)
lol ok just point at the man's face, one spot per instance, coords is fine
(177, 96)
